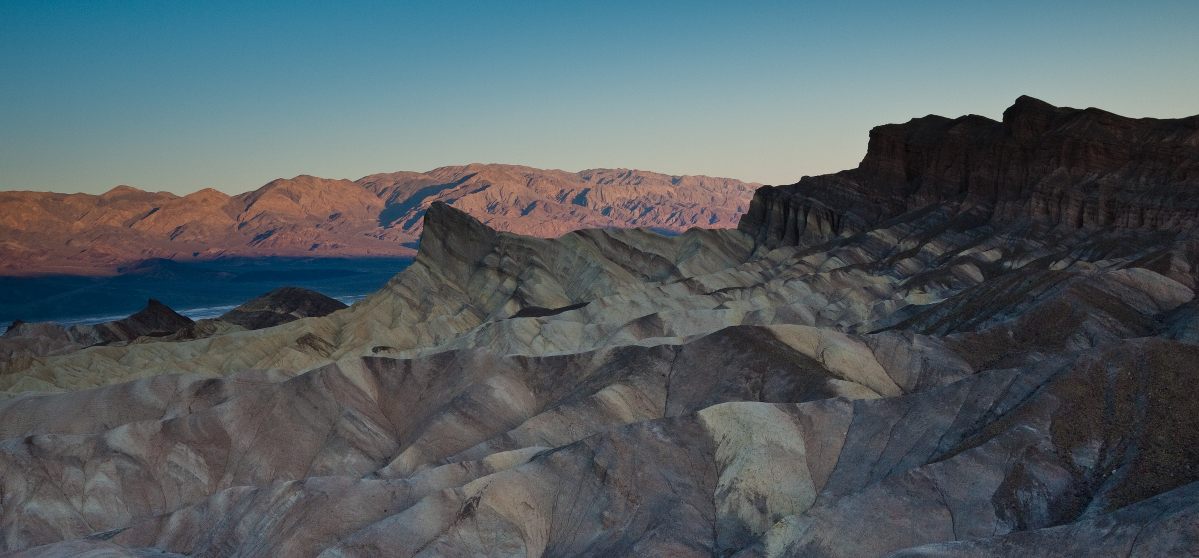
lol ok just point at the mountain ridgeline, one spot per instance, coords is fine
(981, 341)
(378, 215)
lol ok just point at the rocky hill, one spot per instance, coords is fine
(280, 306)
(23, 343)
(379, 215)
(918, 357)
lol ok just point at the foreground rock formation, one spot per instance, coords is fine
(379, 215)
(887, 361)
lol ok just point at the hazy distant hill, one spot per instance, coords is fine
(379, 215)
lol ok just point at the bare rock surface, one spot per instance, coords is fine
(280, 306)
(1059, 166)
(981, 342)
(23, 341)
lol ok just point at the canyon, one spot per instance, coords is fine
(980, 341)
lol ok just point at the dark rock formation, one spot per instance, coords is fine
(155, 320)
(1059, 167)
(280, 306)
(26, 341)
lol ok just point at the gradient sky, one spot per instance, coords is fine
(183, 95)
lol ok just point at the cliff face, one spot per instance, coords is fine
(1060, 167)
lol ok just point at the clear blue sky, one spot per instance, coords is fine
(183, 95)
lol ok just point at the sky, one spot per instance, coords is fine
(179, 96)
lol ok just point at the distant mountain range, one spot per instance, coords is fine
(377, 215)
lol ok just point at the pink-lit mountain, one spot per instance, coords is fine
(378, 215)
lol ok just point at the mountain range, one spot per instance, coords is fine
(377, 215)
(981, 341)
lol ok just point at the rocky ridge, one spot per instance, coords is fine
(280, 306)
(930, 374)
(23, 343)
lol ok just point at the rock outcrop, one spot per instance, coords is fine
(379, 215)
(280, 306)
(1059, 167)
(23, 341)
(925, 371)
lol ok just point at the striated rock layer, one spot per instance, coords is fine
(914, 370)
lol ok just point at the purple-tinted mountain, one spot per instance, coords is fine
(379, 215)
